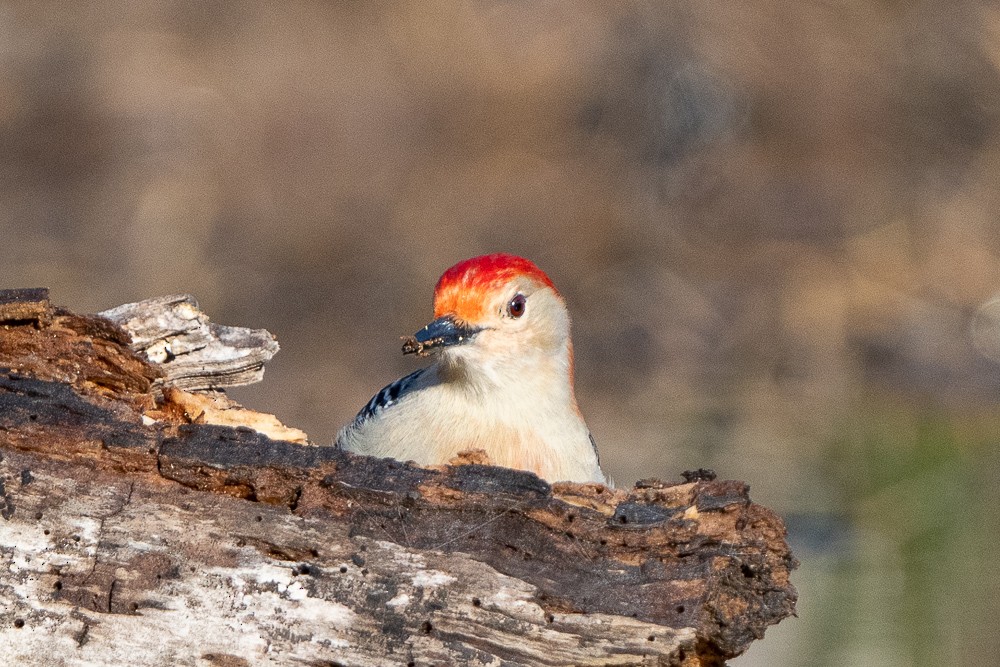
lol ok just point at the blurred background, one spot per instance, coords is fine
(775, 223)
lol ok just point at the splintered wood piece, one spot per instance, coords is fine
(87, 353)
(216, 408)
(24, 304)
(194, 353)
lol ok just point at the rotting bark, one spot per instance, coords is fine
(122, 519)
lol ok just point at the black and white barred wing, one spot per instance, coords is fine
(388, 395)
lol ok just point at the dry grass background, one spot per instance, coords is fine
(775, 224)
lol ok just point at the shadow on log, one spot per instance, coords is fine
(133, 531)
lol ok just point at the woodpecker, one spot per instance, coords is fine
(501, 379)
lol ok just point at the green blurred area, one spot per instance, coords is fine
(775, 224)
(906, 575)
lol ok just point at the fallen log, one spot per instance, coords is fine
(134, 530)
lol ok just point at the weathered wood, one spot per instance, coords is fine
(121, 521)
(89, 354)
(193, 352)
(24, 304)
(99, 569)
(216, 408)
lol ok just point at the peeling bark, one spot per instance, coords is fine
(131, 535)
(195, 354)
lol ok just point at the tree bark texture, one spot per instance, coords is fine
(133, 532)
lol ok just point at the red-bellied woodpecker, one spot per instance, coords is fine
(501, 381)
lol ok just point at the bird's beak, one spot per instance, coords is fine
(442, 332)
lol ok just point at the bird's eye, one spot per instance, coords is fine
(516, 306)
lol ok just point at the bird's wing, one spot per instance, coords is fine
(388, 395)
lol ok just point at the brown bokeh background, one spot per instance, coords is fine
(775, 224)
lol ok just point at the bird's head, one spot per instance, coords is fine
(495, 309)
